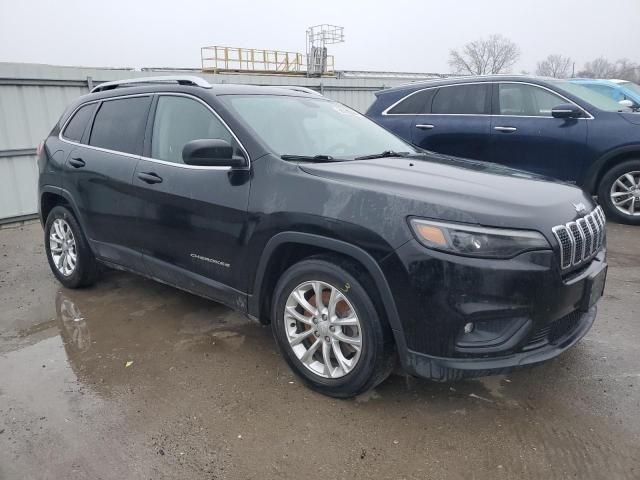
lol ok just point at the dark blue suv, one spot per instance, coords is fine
(551, 127)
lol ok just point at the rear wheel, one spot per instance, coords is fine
(69, 255)
(619, 192)
(328, 329)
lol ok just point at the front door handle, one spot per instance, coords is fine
(425, 126)
(77, 162)
(505, 129)
(149, 177)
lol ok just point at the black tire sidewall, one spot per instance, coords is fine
(604, 192)
(85, 263)
(365, 373)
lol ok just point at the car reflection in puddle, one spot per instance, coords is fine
(73, 326)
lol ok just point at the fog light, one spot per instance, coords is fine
(468, 327)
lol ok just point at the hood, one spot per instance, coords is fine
(458, 190)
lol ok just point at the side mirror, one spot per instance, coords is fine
(566, 110)
(211, 152)
(627, 103)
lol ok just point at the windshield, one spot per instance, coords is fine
(313, 126)
(596, 99)
(634, 87)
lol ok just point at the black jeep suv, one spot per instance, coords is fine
(300, 212)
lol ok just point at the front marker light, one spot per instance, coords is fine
(476, 241)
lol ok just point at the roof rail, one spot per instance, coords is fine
(179, 79)
(298, 88)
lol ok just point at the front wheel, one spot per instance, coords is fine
(328, 329)
(619, 192)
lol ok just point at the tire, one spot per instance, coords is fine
(608, 183)
(62, 224)
(358, 371)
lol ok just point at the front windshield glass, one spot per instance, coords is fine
(313, 126)
(634, 87)
(596, 99)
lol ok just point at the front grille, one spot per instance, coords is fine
(580, 240)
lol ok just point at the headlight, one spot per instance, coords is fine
(476, 241)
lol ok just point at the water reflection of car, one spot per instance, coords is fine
(624, 92)
(552, 127)
(73, 327)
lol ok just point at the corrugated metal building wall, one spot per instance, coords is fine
(32, 98)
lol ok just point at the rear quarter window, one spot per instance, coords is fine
(76, 127)
(120, 125)
(416, 103)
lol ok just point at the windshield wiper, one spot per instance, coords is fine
(310, 158)
(385, 154)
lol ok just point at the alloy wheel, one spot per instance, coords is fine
(323, 329)
(625, 193)
(63, 248)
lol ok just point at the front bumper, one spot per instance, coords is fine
(448, 369)
(522, 311)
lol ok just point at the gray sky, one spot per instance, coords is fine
(397, 35)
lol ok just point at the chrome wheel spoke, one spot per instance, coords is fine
(296, 339)
(299, 296)
(335, 298)
(326, 356)
(353, 341)
(61, 261)
(630, 179)
(621, 194)
(297, 315)
(346, 321)
(317, 290)
(345, 364)
(308, 355)
(624, 200)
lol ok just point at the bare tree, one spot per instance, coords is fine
(627, 70)
(599, 68)
(556, 66)
(602, 68)
(495, 54)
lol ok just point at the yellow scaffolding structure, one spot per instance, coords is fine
(252, 60)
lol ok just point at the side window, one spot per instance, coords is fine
(418, 102)
(179, 120)
(519, 99)
(462, 99)
(120, 125)
(75, 128)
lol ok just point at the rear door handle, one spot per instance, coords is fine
(77, 162)
(149, 177)
(505, 129)
(425, 126)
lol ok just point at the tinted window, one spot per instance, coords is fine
(527, 100)
(419, 102)
(179, 120)
(75, 128)
(462, 99)
(120, 125)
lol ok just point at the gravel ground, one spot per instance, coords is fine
(132, 379)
